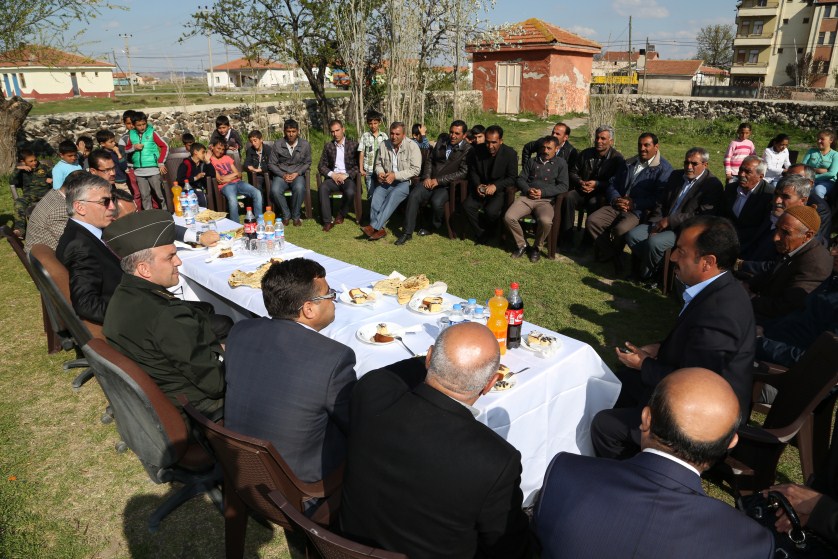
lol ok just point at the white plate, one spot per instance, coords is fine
(552, 347)
(416, 306)
(510, 382)
(187, 246)
(345, 298)
(367, 331)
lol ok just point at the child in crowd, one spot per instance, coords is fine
(187, 140)
(128, 121)
(223, 131)
(85, 146)
(149, 152)
(256, 157)
(32, 180)
(196, 169)
(776, 157)
(230, 181)
(738, 150)
(368, 148)
(419, 134)
(476, 135)
(107, 141)
(68, 151)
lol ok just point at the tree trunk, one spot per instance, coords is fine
(12, 114)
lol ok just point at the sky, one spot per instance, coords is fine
(670, 25)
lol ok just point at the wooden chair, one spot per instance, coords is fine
(55, 340)
(13, 188)
(54, 282)
(253, 468)
(555, 229)
(267, 177)
(328, 544)
(359, 192)
(173, 161)
(153, 429)
(797, 414)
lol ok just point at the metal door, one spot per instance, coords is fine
(75, 83)
(509, 88)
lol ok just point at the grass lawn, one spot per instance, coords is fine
(65, 492)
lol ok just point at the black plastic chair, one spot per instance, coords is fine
(328, 544)
(154, 430)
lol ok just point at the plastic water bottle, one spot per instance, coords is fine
(270, 236)
(468, 308)
(457, 316)
(183, 205)
(478, 315)
(280, 237)
(259, 234)
(193, 203)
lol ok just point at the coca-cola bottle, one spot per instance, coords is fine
(514, 317)
(250, 224)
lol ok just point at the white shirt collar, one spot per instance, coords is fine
(673, 458)
(692, 291)
(92, 228)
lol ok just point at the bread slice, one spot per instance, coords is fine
(387, 286)
(410, 286)
(358, 296)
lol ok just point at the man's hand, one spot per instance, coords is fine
(289, 177)
(422, 130)
(661, 225)
(140, 147)
(491, 189)
(339, 178)
(390, 177)
(229, 178)
(588, 186)
(49, 180)
(534, 194)
(210, 238)
(430, 184)
(633, 360)
(163, 170)
(362, 172)
(24, 167)
(801, 498)
(622, 204)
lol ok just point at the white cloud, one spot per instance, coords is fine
(642, 8)
(582, 30)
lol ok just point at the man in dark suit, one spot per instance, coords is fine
(653, 505)
(804, 265)
(94, 270)
(567, 151)
(747, 202)
(339, 167)
(289, 161)
(286, 382)
(824, 211)
(423, 476)
(715, 330)
(693, 191)
(446, 164)
(492, 168)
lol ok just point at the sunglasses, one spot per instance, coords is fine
(104, 202)
(330, 295)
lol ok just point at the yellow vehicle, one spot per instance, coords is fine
(614, 82)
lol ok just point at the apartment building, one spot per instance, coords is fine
(771, 34)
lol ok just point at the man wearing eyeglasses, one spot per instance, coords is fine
(286, 382)
(693, 191)
(94, 270)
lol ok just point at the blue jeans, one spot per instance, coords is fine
(649, 248)
(230, 191)
(386, 198)
(823, 187)
(298, 191)
(372, 184)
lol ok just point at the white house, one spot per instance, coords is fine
(254, 73)
(44, 73)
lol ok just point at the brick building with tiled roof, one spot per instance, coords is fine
(677, 77)
(533, 66)
(45, 73)
(243, 72)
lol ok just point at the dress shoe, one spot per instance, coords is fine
(285, 222)
(328, 227)
(424, 233)
(535, 255)
(368, 230)
(380, 234)
(298, 222)
(339, 219)
(403, 239)
(519, 252)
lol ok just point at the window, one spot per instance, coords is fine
(800, 50)
(745, 28)
(84, 74)
(762, 3)
(827, 11)
(821, 37)
(780, 50)
(805, 20)
(757, 29)
(95, 74)
(785, 21)
(753, 56)
(832, 37)
(740, 56)
(22, 80)
(217, 79)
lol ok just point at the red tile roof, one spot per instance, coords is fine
(537, 32)
(254, 64)
(37, 55)
(673, 67)
(711, 71)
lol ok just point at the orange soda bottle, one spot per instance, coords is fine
(269, 216)
(176, 190)
(497, 318)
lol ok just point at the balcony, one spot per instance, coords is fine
(749, 69)
(751, 40)
(757, 8)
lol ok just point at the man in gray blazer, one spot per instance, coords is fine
(286, 382)
(289, 162)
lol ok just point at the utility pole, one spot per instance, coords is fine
(127, 36)
(645, 65)
(205, 12)
(631, 63)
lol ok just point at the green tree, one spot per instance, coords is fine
(715, 45)
(33, 22)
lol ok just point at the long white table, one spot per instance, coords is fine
(548, 410)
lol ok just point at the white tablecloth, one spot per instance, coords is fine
(548, 411)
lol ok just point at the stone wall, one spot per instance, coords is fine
(811, 115)
(800, 93)
(172, 122)
(470, 101)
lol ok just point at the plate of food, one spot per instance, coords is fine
(539, 341)
(358, 296)
(189, 246)
(252, 279)
(404, 289)
(506, 381)
(379, 333)
(429, 305)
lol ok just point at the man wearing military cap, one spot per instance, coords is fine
(171, 339)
